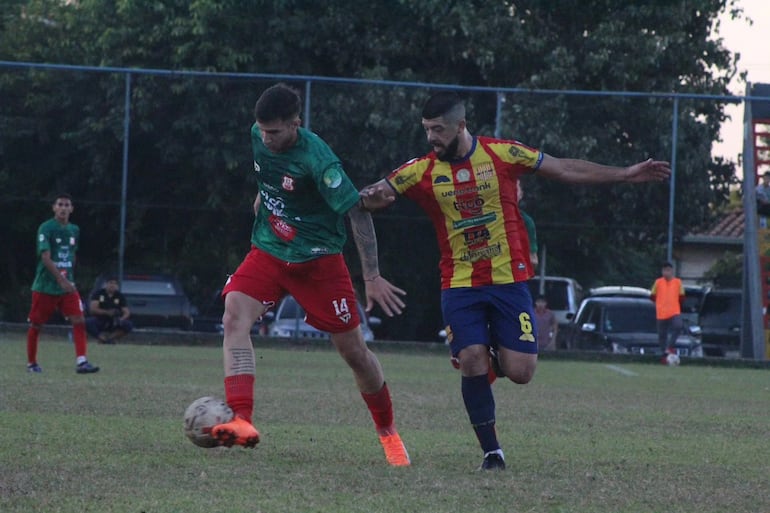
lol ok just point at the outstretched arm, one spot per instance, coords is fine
(378, 289)
(584, 171)
(377, 195)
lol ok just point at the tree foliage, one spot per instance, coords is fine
(189, 190)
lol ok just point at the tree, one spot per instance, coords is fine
(189, 191)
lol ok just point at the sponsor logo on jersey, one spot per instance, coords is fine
(273, 203)
(287, 183)
(401, 180)
(257, 169)
(442, 179)
(468, 190)
(476, 236)
(485, 253)
(282, 229)
(473, 206)
(474, 221)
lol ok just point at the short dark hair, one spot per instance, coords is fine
(667, 264)
(278, 102)
(61, 195)
(441, 103)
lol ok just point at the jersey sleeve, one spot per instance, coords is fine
(408, 175)
(335, 187)
(43, 240)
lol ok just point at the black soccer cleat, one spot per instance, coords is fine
(492, 461)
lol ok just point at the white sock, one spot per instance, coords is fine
(81, 359)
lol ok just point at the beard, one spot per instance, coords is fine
(450, 151)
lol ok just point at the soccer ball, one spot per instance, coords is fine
(202, 415)
(672, 360)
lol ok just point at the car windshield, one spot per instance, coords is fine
(630, 319)
(720, 311)
(154, 288)
(555, 293)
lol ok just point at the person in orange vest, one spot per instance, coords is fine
(668, 295)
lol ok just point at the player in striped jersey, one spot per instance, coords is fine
(468, 187)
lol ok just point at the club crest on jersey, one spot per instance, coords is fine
(288, 183)
(72, 241)
(463, 175)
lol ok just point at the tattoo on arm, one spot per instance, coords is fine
(242, 361)
(366, 241)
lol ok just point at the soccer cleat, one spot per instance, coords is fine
(395, 452)
(86, 368)
(238, 431)
(493, 461)
(34, 367)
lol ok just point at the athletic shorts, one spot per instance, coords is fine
(44, 305)
(321, 286)
(502, 315)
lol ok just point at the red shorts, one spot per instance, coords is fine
(321, 286)
(44, 305)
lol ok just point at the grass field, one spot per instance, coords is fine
(582, 437)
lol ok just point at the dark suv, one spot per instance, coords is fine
(155, 300)
(623, 325)
(720, 322)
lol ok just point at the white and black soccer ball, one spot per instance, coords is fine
(672, 360)
(202, 415)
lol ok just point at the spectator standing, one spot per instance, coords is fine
(547, 327)
(763, 195)
(668, 294)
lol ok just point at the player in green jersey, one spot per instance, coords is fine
(297, 241)
(54, 285)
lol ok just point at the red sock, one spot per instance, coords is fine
(33, 335)
(381, 408)
(239, 394)
(79, 338)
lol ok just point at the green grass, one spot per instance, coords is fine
(582, 437)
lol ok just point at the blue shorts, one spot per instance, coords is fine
(493, 314)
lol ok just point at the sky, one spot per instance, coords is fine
(753, 43)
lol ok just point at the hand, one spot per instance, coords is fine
(376, 196)
(385, 294)
(648, 171)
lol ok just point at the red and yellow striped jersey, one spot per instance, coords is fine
(473, 205)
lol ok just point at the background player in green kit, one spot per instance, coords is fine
(297, 243)
(54, 285)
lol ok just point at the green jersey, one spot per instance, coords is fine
(531, 234)
(304, 195)
(62, 243)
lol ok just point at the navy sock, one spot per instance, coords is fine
(480, 404)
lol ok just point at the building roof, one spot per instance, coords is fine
(727, 229)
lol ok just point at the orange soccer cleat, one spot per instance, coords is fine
(395, 452)
(238, 431)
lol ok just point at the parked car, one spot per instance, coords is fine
(209, 318)
(155, 300)
(625, 325)
(619, 291)
(693, 300)
(288, 321)
(720, 322)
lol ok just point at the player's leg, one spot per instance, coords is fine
(43, 306)
(326, 293)
(464, 311)
(71, 307)
(251, 280)
(513, 330)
